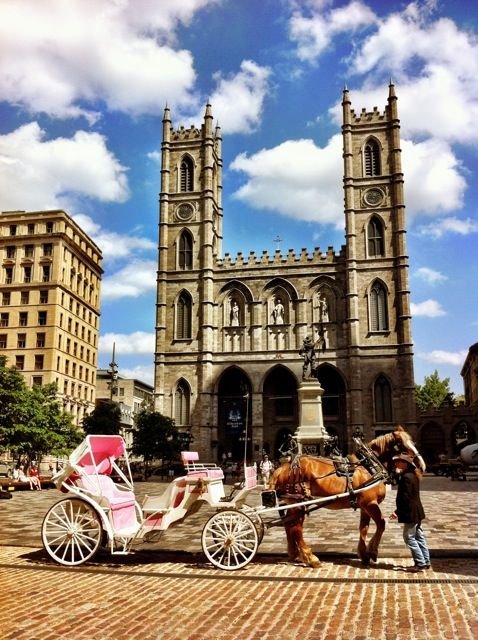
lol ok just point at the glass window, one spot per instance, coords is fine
(187, 174)
(4, 318)
(39, 361)
(375, 238)
(23, 318)
(48, 249)
(383, 400)
(181, 405)
(185, 251)
(31, 228)
(44, 296)
(8, 275)
(6, 298)
(24, 297)
(37, 381)
(49, 227)
(378, 308)
(46, 273)
(372, 158)
(40, 340)
(13, 229)
(21, 340)
(20, 362)
(27, 274)
(11, 251)
(183, 320)
(28, 251)
(3, 340)
(42, 317)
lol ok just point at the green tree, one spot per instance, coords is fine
(32, 423)
(105, 419)
(433, 392)
(155, 437)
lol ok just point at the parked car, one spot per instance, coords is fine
(4, 470)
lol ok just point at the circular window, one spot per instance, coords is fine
(373, 197)
(184, 212)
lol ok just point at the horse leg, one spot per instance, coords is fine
(375, 513)
(362, 544)
(297, 549)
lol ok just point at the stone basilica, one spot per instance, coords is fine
(229, 330)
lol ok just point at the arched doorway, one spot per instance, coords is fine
(280, 409)
(234, 416)
(432, 442)
(333, 402)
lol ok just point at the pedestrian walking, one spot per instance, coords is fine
(410, 511)
(266, 468)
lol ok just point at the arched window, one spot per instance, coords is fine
(372, 158)
(375, 238)
(382, 395)
(183, 316)
(187, 174)
(378, 308)
(185, 251)
(181, 403)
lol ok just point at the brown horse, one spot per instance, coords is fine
(307, 478)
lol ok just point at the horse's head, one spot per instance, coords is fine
(394, 443)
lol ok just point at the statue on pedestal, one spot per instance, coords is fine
(311, 361)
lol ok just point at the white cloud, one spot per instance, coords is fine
(137, 343)
(444, 357)
(113, 245)
(36, 173)
(143, 373)
(427, 308)
(430, 275)
(314, 34)
(135, 279)
(49, 64)
(448, 225)
(238, 100)
(297, 179)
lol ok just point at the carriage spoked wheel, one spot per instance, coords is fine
(229, 539)
(71, 531)
(256, 519)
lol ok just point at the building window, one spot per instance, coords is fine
(44, 296)
(6, 298)
(372, 158)
(13, 229)
(187, 174)
(37, 381)
(24, 297)
(39, 362)
(121, 391)
(378, 308)
(67, 367)
(383, 400)
(46, 273)
(20, 362)
(31, 228)
(3, 340)
(183, 318)
(185, 251)
(40, 340)
(375, 238)
(28, 251)
(27, 274)
(181, 403)
(21, 340)
(49, 227)
(11, 252)
(4, 318)
(8, 275)
(42, 318)
(65, 387)
(48, 249)
(23, 318)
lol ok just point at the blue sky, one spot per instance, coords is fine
(83, 85)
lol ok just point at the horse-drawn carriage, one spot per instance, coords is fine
(101, 512)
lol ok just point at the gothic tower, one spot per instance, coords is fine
(378, 297)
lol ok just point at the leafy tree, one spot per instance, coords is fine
(32, 422)
(433, 392)
(105, 419)
(155, 436)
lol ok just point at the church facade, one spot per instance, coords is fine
(229, 330)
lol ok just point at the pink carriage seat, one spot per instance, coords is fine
(121, 503)
(196, 469)
(250, 477)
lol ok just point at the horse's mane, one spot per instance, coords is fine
(381, 444)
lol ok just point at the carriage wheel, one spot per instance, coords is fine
(256, 519)
(71, 531)
(229, 540)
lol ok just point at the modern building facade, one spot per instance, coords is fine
(50, 287)
(229, 330)
(131, 395)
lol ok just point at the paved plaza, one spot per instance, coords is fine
(168, 591)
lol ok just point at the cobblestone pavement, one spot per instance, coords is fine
(167, 590)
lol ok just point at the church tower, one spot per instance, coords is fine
(378, 297)
(190, 240)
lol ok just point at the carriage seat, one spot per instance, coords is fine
(196, 469)
(120, 502)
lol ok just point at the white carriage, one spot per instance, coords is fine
(100, 511)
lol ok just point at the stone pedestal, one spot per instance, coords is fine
(311, 433)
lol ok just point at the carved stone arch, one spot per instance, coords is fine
(279, 296)
(184, 244)
(235, 291)
(382, 393)
(280, 407)
(240, 286)
(234, 417)
(334, 401)
(374, 231)
(284, 284)
(377, 299)
(182, 402)
(372, 154)
(186, 173)
(324, 288)
(183, 312)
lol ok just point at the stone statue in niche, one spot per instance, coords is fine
(323, 308)
(278, 312)
(234, 315)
